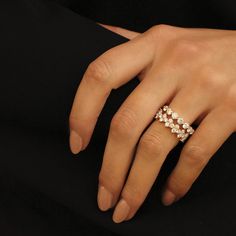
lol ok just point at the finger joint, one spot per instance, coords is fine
(123, 123)
(151, 144)
(99, 71)
(195, 156)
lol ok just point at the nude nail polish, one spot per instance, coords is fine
(75, 142)
(121, 211)
(104, 198)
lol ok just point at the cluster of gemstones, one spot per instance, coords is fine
(174, 122)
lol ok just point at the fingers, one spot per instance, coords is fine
(121, 31)
(152, 150)
(109, 71)
(126, 127)
(206, 140)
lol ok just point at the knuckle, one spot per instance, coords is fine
(160, 28)
(123, 121)
(160, 31)
(211, 78)
(185, 51)
(151, 144)
(195, 156)
(99, 71)
(186, 48)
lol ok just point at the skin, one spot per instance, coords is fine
(191, 70)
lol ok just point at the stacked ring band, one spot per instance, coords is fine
(177, 124)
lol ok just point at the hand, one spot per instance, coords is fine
(192, 70)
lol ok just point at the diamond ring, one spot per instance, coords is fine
(177, 124)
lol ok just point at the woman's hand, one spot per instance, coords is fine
(193, 71)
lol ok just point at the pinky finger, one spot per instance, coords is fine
(202, 145)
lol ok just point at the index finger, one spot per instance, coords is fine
(109, 71)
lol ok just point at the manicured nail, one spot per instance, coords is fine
(121, 211)
(75, 142)
(168, 197)
(104, 198)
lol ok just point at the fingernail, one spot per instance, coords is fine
(75, 142)
(104, 198)
(168, 197)
(121, 211)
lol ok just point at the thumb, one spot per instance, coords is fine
(121, 31)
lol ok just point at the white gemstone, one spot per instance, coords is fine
(173, 130)
(184, 137)
(180, 121)
(167, 124)
(170, 120)
(174, 115)
(165, 108)
(185, 125)
(180, 135)
(160, 119)
(165, 119)
(172, 125)
(164, 115)
(190, 130)
(177, 126)
(169, 111)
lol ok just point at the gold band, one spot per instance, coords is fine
(172, 120)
